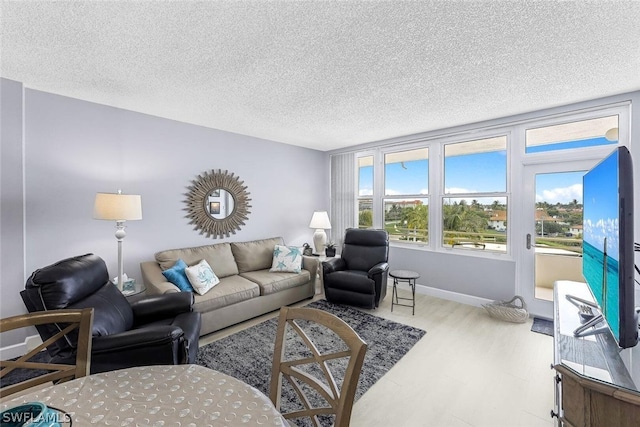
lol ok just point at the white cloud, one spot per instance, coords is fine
(561, 195)
(456, 190)
(595, 232)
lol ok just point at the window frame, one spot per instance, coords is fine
(505, 132)
(358, 156)
(383, 151)
(517, 158)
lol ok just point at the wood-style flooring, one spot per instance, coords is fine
(468, 370)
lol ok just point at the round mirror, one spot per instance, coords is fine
(218, 203)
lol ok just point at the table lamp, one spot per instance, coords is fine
(118, 207)
(320, 221)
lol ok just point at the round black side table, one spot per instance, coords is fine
(408, 277)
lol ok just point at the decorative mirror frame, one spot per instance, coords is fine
(196, 201)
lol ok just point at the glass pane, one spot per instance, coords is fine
(558, 225)
(407, 220)
(365, 176)
(585, 133)
(406, 172)
(476, 166)
(479, 224)
(365, 213)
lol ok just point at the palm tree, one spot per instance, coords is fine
(418, 218)
(459, 217)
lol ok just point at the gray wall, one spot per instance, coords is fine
(73, 149)
(11, 207)
(460, 274)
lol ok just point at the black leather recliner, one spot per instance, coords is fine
(157, 330)
(359, 276)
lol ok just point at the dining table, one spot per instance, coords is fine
(159, 395)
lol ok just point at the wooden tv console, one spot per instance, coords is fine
(592, 384)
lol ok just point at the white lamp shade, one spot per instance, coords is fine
(320, 220)
(117, 207)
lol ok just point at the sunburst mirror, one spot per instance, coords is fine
(217, 203)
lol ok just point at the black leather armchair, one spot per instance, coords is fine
(359, 276)
(157, 330)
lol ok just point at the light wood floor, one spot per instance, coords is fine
(468, 370)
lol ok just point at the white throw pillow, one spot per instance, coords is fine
(287, 258)
(201, 277)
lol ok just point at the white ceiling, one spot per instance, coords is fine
(324, 74)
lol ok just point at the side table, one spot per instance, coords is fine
(408, 277)
(136, 293)
(320, 259)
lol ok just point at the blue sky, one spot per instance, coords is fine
(601, 206)
(482, 172)
(561, 187)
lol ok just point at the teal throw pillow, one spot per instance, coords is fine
(178, 277)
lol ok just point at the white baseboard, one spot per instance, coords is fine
(451, 296)
(19, 349)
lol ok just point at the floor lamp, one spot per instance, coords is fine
(118, 207)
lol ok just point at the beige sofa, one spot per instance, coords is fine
(247, 288)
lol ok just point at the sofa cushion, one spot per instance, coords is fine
(201, 277)
(254, 255)
(230, 290)
(218, 256)
(271, 283)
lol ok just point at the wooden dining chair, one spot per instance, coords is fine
(310, 369)
(67, 321)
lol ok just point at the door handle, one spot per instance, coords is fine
(528, 241)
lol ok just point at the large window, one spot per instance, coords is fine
(469, 198)
(476, 173)
(406, 186)
(365, 192)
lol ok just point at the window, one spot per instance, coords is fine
(476, 173)
(579, 134)
(365, 192)
(406, 206)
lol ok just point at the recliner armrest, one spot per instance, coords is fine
(162, 306)
(136, 338)
(378, 269)
(333, 264)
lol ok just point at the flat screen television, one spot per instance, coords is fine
(608, 251)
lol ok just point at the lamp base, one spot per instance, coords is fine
(319, 240)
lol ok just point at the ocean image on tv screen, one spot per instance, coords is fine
(601, 223)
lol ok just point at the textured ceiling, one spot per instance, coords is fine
(324, 75)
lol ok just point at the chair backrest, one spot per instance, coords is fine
(364, 248)
(75, 283)
(310, 369)
(65, 321)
